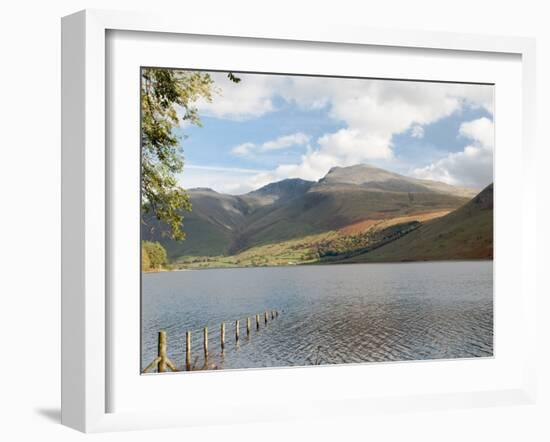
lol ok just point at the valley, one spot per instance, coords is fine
(353, 214)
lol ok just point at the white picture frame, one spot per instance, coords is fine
(86, 315)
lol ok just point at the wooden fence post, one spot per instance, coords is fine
(205, 342)
(188, 350)
(162, 351)
(162, 362)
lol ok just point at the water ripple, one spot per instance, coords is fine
(329, 314)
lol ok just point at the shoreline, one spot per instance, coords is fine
(165, 270)
(317, 264)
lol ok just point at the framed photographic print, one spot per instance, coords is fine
(261, 208)
(292, 186)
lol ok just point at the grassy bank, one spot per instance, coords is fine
(328, 247)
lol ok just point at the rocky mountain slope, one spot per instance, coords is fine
(221, 224)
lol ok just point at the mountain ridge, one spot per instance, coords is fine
(374, 177)
(222, 224)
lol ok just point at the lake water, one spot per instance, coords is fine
(328, 314)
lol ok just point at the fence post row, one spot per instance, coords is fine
(162, 362)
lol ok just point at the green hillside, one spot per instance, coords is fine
(466, 233)
(328, 208)
(223, 225)
(327, 247)
(209, 226)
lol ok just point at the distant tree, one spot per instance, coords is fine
(168, 96)
(156, 254)
(145, 261)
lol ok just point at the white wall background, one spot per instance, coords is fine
(30, 215)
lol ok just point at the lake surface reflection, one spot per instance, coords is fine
(328, 314)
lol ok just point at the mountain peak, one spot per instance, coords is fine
(369, 176)
(202, 189)
(355, 167)
(283, 185)
(358, 174)
(284, 190)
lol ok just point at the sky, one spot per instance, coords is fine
(271, 127)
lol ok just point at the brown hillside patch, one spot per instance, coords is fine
(420, 217)
(359, 227)
(366, 224)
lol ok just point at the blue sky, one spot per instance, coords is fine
(212, 143)
(268, 127)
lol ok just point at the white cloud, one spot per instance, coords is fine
(283, 142)
(286, 141)
(251, 98)
(475, 95)
(480, 130)
(373, 111)
(352, 146)
(243, 149)
(223, 169)
(232, 180)
(471, 167)
(344, 148)
(417, 131)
